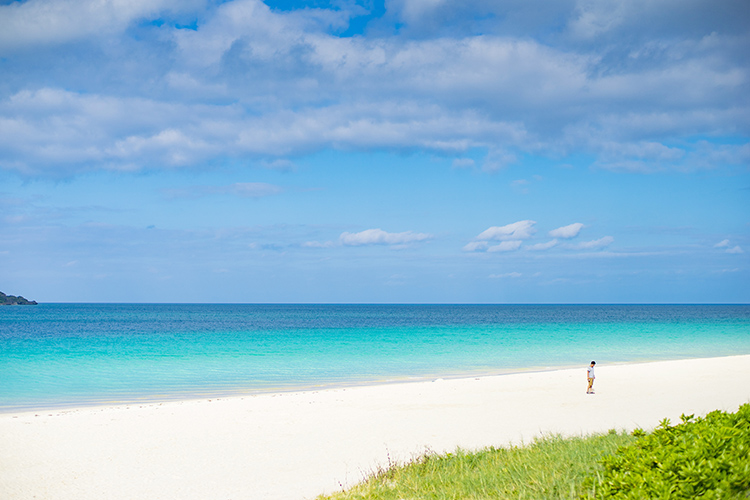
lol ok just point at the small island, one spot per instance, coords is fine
(12, 300)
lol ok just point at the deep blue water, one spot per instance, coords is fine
(73, 354)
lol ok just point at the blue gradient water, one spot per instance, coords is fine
(73, 354)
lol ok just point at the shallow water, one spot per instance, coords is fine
(73, 354)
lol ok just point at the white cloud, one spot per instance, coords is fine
(172, 146)
(54, 130)
(543, 246)
(567, 232)
(729, 249)
(231, 22)
(594, 244)
(55, 21)
(476, 246)
(595, 18)
(447, 90)
(380, 237)
(506, 246)
(520, 230)
(414, 10)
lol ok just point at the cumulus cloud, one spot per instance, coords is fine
(476, 246)
(520, 230)
(53, 21)
(722, 244)
(505, 246)
(567, 232)
(511, 238)
(729, 248)
(380, 237)
(594, 244)
(597, 20)
(52, 129)
(478, 77)
(543, 246)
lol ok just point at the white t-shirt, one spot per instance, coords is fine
(590, 371)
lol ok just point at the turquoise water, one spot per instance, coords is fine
(74, 354)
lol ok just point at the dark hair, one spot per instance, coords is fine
(593, 362)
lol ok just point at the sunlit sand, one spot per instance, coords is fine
(297, 445)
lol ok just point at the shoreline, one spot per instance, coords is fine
(195, 395)
(296, 445)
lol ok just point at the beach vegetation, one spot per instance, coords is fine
(705, 458)
(549, 467)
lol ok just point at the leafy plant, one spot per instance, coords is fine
(699, 458)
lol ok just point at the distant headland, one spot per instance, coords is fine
(12, 300)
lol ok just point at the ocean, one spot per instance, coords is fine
(59, 355)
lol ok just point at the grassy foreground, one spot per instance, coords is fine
(553, 467)
(699, 458)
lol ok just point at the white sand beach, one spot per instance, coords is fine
(294, 446)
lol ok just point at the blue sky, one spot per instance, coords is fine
(355, 151)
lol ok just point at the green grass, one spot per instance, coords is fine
(707, 458)
(549, 468)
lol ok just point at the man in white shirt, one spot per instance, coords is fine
(590, 376)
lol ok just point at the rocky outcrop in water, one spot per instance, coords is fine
(12, 300)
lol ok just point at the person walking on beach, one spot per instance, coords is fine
(590, 376)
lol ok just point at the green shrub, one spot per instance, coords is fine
(699, 458)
